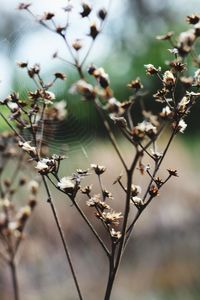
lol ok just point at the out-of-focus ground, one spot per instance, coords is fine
(162, 260)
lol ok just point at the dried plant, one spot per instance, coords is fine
(13, 216)
(177, 93)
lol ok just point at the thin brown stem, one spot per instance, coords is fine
(101, 187)
(124, 227)
(85, 219)
(11, 127)
(92, 228)
(14, 279)
(60, 230)
(111, 135)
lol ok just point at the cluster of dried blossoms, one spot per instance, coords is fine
(177, 94)
(14, 214)
(13, 219)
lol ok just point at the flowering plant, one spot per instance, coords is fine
(143, 136)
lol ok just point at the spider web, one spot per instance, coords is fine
(64, 137)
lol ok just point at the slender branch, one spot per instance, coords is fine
(14, 279)
(111, 135)
(92, 228)
(85, 219)
(11, 127)
(101, 187)
(93, 41)
(110, 275)
(124, 227)
(157, 164)
(42, 130)
(62, 237)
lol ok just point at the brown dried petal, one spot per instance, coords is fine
(193, 19)
(173, 172)
(102, 13)
(93, 31)
(61, 76)
(24, 6)
(166, 36)
(135, 84)
(86, 10)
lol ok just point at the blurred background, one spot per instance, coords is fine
(163, 260)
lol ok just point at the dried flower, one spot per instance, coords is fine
(87, 189)
(60, 30)
(107, 194)
(135, 190)
(183, 104)
(151, 70)
(68, 8)
(143, 129)
(32, 203)
(22, 64)
(137, 201)
(24, 6)
(47, 16)
(120, 121)
(98, 169)
(160, 95)
(86, 10)
(33, 186)
(153, 191)
(61, 76)
(110, 217)
(166, 112)
(27, 147)
(102, 13)
(159, 182)
(23, 214)
(168, 78)
(81, 172)
(102, 77)
(114, 107)
(83, 88)
(173, 172)
(177, 66)
(193, 19)
(66, 184)
(49, 95)
(93, 31)
(181, 126)
(116, 235)
(77, 44)
(185, 42)
(135, 84)
(34, 70)
(95, 201)
(22, 181)
(60, 109)
(197, 30)
(45, 165)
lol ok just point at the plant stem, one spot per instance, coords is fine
(65, 246)
(113, 272)
(110, 135)
(14, 279)
(110, 275)
(85, 219)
